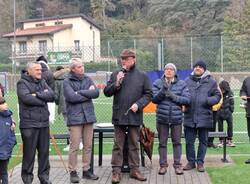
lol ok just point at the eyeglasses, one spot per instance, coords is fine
(126, 58)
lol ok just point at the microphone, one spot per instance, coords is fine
(124, 71)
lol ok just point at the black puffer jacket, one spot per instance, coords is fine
(245, 91)
(33, 110)
(135, 88)
(227, 107)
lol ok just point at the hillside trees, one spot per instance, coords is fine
(236, 39)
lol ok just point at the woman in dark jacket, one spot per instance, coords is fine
(170, 94)
(225, 112)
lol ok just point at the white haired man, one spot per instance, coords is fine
(79, 90)
(33, 95)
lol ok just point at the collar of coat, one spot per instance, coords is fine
(73, 76)
(175, 79)
(206, 75)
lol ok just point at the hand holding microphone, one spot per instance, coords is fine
(120, 76)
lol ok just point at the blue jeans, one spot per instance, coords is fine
(190, 136)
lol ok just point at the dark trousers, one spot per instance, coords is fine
(211, 139)
(248, 127)
(4, 171)
(35, 139)
(229, 121)
(190, 136)
(133, 147)
(163, 132)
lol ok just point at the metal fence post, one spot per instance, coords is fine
(221, 53)
(108, 56)
(159, 56)
(135, 45)
(162, 53)
(191, 52)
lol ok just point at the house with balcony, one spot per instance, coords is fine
(59, 38)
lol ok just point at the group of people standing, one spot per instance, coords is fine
(179, 103)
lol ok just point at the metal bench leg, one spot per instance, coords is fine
(100, 148)
(224, 159)
(92, 155)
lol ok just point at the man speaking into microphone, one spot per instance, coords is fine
(131, 89)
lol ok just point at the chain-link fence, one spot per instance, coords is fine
(226, 58)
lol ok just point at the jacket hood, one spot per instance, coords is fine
(61, 74)
(203, 76)
(45, 66)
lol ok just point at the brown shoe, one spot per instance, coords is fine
(200, 168)
(189, 166)
(162, 170)
(116, 178)
(178, 171)
(138, 176)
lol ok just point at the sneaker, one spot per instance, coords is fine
(162, 170)
(89, 175)
(189, 166)
(220, 145)
(247, 161)
(66, 149)
(74, 178)
(230, 143)
(178, 170)
(200, 168)
(81, 146)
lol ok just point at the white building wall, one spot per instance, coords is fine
(87, 34)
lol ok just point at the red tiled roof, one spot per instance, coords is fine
(39, 30)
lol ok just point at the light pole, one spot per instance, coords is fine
(42, 12)
(14, 39)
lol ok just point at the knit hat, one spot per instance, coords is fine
(170, 65)
(201, 63)
(42, 58)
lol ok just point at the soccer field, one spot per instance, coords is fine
(103, 109)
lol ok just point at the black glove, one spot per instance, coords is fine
(165, 86)
(170, 95)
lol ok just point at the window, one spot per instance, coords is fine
(40, 25)
(23, 47)
(58, 22)
(43, 45)
(77, 45)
